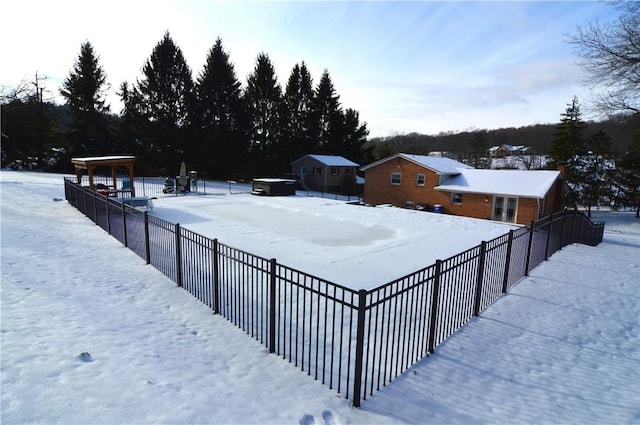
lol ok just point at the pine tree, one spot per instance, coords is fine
(263, 97)
(590, 175)
(328, 115)
(354, 136)
(161, 105)
(338, 132)
(568, 139)
(299, 125)
(627, 179)
(220, 114)
(84, 91)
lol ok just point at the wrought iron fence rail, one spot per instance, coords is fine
(356, 342)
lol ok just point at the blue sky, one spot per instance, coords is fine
(418, 66)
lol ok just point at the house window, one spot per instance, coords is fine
(396, 179)
(317, 171)
(420, 179)
(334, 171)
(347, 171)
(303, 170)
(456, 198)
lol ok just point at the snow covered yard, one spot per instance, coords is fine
(561, 347)
(355, 246)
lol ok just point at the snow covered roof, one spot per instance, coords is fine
(530, 184)
(510, 148)
(330, 160)
(273, 180)
(438, 164)
(98, 159)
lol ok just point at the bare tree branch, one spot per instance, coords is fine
(610, 55)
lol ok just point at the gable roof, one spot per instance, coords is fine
(529, 184)
(437, 164)
(330, 160)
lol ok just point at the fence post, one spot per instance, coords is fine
(564, 223)
(507, 264)
(481, 259)
(526, 267)
(178, 256)
(434, 307)
(95, 210)
(216, 280)
(124, 225)
(546, 248)
(357, 373)
(106, 204)
(84, 202)
(272, 306)
(147, 244)
(601, 233)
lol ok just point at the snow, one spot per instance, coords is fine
(561, 347)
(438, 164)
(525, 183)
(331, 160)
(355, 246)
(274, 180)
(104, 158)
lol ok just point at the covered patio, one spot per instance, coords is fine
(112, 162)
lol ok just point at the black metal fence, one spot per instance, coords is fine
(353, 341)
(153, 187)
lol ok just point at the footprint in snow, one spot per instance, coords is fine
(85, 357)
(307, 420)
(328, 418)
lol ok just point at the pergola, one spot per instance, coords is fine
(113, 162)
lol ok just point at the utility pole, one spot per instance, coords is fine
(39, 90)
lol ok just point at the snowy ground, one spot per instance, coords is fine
(355, 246)
(562, 347)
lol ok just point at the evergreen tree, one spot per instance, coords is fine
(328, 115)
(354, 137)
(263, 97)
(568, 139)
(160, 108)
(84, 92)
(590, 175)
(220, 114)
(299, 126)
(627, 180)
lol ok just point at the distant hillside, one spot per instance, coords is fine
(622, 130)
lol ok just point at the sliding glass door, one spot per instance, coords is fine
(504, 209)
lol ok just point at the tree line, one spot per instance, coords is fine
(214, 123)
(225, 129)
(595, 175)
(465, 145)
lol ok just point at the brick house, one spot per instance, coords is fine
(423, 182)
(323, 173)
